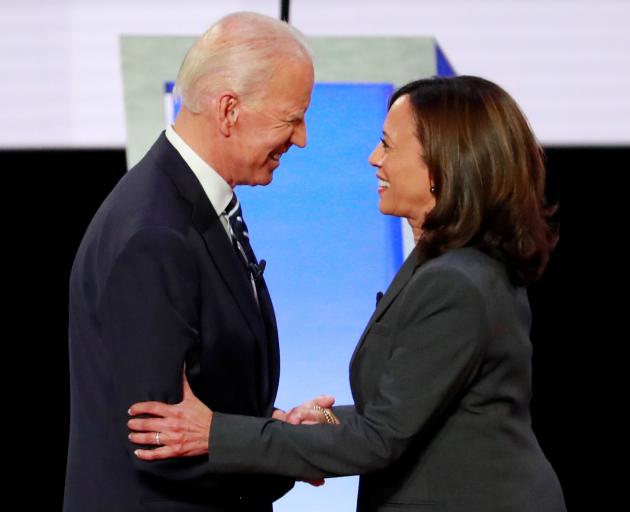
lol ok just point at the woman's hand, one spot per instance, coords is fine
(313, 411)
(180, 430)
(309, 413)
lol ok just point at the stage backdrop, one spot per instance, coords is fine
(327, 247)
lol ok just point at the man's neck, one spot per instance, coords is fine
(198, 133)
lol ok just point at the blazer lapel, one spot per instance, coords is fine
(400, 280)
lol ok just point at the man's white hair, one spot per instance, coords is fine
(239, 52)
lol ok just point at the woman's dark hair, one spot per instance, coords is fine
(488, 173)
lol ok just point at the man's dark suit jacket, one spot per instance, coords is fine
(441, 380)
(156, 284)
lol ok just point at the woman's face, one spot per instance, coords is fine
(404, 185)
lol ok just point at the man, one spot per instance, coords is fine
(165, 277)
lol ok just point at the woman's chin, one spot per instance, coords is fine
(387, 209)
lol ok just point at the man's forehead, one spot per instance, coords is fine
(289, 104)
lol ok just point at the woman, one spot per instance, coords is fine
(442, 374)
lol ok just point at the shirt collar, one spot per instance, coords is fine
(216, 188)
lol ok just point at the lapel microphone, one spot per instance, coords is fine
(379, 296)
(257, 269)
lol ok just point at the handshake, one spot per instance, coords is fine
(184, 429)
(317, 410)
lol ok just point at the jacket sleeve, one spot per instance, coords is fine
(437, 348)
(149, 324)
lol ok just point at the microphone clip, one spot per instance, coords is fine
(257, 269)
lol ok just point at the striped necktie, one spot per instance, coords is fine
(240, 239)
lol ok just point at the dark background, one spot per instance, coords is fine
(54, 194)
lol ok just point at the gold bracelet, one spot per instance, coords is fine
(329, 416)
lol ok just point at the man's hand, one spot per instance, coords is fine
(279, 414)
(178, 430)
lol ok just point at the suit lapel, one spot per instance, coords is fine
(398, 284)
(228, 264)
(272, 354)
(207, 222)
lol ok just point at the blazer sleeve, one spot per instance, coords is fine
(149, 323)
(437, 348)
(343, 412)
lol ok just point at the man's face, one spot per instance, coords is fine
(267, 128)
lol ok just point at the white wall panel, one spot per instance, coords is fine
(60, 79)
(567, 62)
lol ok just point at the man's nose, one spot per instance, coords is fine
(299, 135)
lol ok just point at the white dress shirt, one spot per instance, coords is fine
(216, 188)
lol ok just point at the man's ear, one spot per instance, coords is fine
(228, 109)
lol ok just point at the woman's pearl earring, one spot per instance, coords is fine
(432, 189)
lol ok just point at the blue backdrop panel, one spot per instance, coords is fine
(328, 251)
(444, 67)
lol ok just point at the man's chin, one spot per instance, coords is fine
(263, 175)
(266, 175)
(263, 178)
